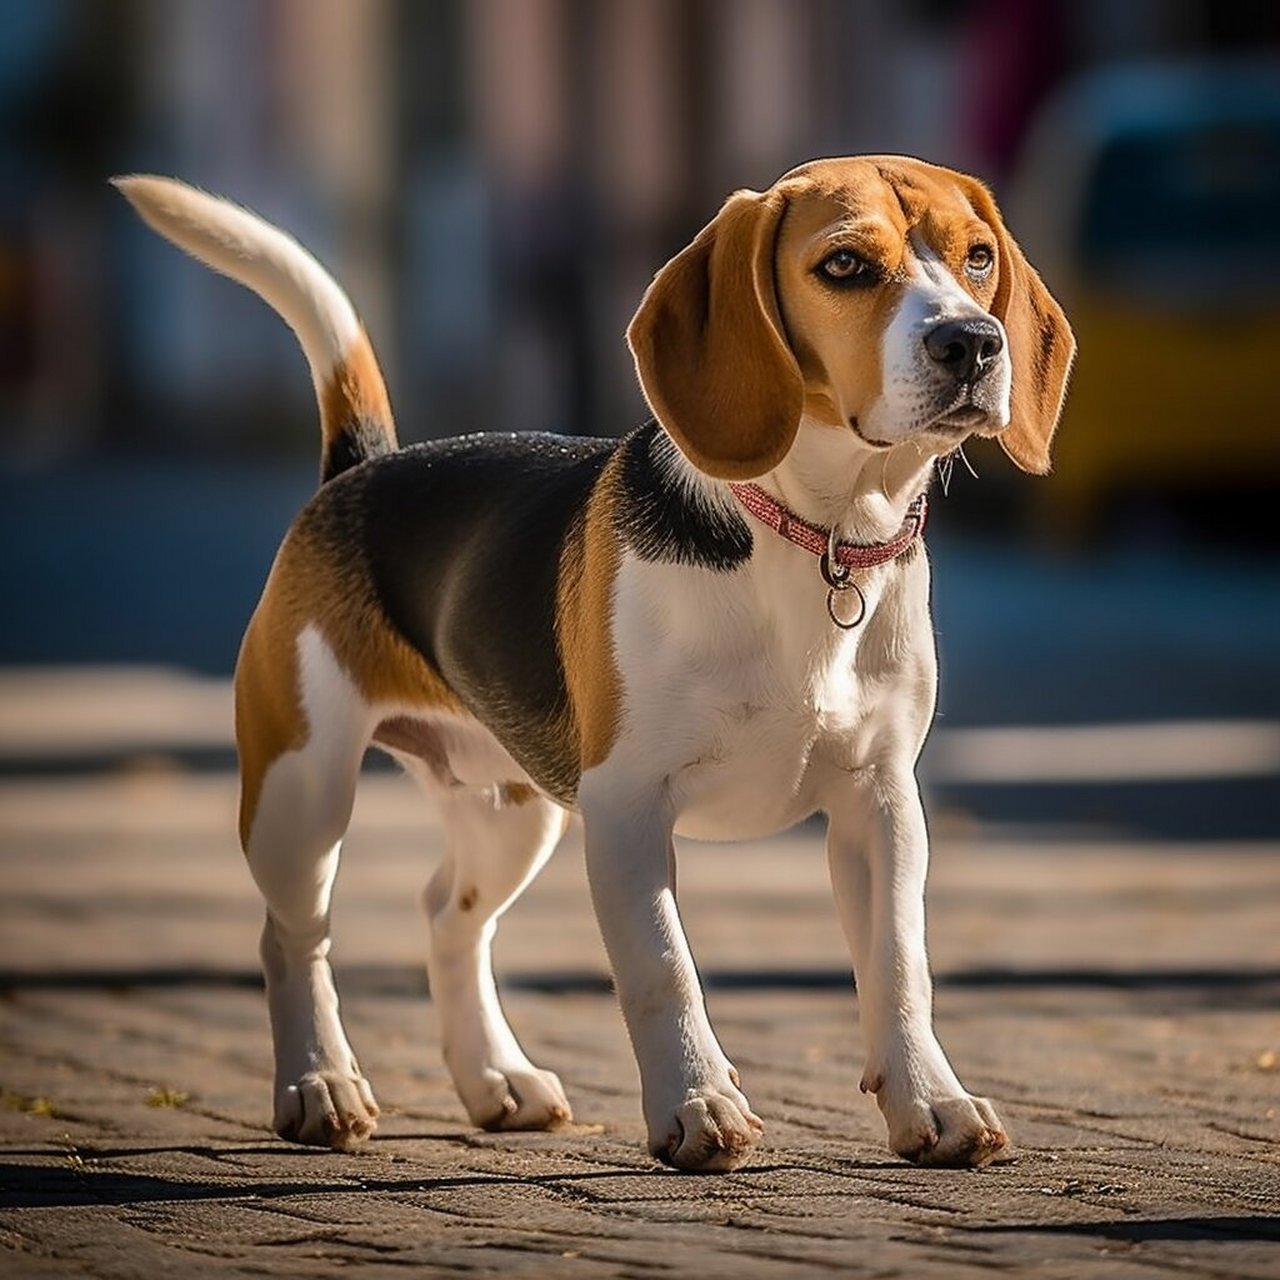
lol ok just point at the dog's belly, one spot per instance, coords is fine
(455, 751)
(732, 813)
(763, 770)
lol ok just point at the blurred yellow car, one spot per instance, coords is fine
(1150, 198)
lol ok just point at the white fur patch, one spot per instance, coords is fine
(912, 383)
(312, 785)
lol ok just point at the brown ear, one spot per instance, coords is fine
(709, 346)
(1041, 346)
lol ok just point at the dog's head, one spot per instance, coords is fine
(879, 295)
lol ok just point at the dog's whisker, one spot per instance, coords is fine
(945, 465)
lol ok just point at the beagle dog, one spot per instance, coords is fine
(714, 626)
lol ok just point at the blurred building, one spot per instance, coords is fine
(494, 181)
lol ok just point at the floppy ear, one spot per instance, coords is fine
(709, 346)
(1041, 346)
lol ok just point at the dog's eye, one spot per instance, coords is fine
(981, 258)
(846, 267)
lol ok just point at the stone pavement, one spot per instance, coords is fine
(1120, 1000)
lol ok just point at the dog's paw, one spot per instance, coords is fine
(517, 1098)
(326, 1109)
(712, 1131)
(952, 1132)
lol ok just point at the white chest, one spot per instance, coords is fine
(747, 702)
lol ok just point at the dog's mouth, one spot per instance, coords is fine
(964, 414)
(966, 418)
(866, 439)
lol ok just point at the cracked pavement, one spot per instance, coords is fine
(1118, 998)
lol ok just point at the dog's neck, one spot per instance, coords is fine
(834, 479)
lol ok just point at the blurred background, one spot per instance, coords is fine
(495, 181)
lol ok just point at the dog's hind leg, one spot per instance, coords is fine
(302, 728)
(496, 841)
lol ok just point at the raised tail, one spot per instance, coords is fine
(355, 414)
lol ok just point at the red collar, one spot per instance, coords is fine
(817, 541)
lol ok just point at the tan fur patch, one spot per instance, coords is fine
(310, 586)
(355, 392)
(840, 376)
(588, 569)
(269, 716)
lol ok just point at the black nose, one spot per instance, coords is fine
(965, 348)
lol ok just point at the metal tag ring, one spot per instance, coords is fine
(847, 585)
(839, 579)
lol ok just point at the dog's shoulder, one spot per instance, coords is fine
(666, 512)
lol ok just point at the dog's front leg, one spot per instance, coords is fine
(697, 1116)
(877, 847)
